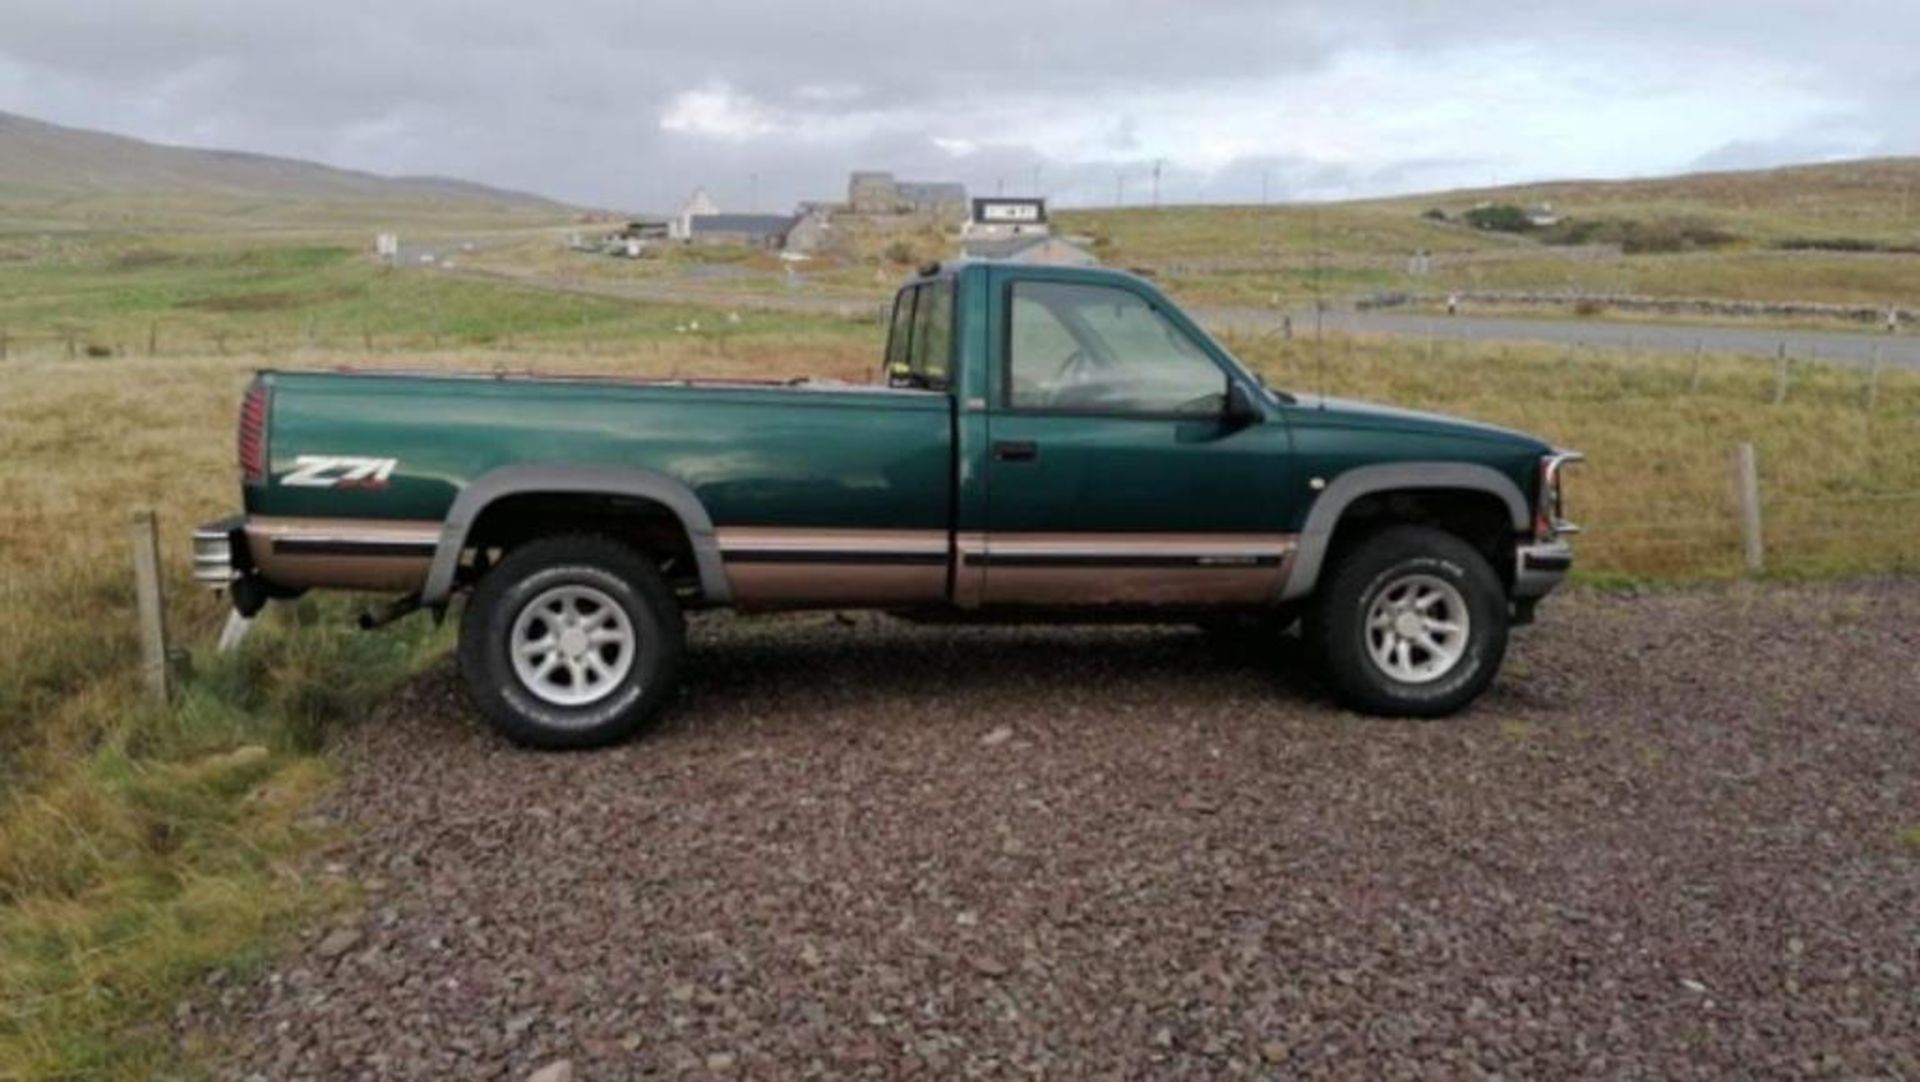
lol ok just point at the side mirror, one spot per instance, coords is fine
(1241, 410)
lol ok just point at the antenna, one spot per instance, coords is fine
(1319, 306)
(1157, 163)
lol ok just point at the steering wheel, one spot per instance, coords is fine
(1076, 370)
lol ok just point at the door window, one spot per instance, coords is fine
(1097, 349)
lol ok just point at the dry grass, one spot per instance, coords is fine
(1251, 254)
(1841, 484)
(138, 851)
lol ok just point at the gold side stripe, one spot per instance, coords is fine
(1130, 544)
(769, 539)
(346, 530)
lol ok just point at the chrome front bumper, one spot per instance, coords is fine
(213, 545)
(1539, 567)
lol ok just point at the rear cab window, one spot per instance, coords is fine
(920, 342)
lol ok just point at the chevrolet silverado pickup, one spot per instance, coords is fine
(1038, 443)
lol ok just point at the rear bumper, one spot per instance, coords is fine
(1539, 567)
(287, 555)
(219, 549)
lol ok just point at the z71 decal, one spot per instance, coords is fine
(339, 471)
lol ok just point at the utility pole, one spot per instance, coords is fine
(1157, 163)
(1000, 186)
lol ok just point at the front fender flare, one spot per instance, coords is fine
(583, 480)
(1317, 534)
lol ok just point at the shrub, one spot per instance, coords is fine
(1636, 237)
(1434, 214)
(1500, 218)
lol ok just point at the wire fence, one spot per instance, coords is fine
(1799, 533)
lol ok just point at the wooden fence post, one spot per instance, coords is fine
(1780, 375)
(153, 339)
(154, 659)
(3, 343)
(1746, 483)
(1693, 381)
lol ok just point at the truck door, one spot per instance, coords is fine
(1115, 474)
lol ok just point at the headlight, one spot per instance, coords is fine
(1549, 514)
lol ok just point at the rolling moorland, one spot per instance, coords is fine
(143, 847)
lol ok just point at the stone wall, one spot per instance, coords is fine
(1629, 302)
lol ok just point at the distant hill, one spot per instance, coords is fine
(1876, 196)
(71, 173)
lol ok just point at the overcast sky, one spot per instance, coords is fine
(630, 103)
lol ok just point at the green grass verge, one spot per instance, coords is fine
(174, 847)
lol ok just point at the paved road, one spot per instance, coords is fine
(1901, 350)
(1606, 334)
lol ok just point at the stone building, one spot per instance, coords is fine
(812, 230)
(876, 194)
(873, 193)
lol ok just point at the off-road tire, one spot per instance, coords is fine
(607, 568)
(1338, 623)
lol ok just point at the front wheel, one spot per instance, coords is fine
(1411, 623)
(571, 642)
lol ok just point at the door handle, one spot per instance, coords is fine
(1016, 450)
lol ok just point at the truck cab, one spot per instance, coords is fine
(1057, 442)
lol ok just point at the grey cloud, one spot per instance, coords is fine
(566, 98)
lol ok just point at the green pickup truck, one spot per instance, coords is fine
(1043, 443)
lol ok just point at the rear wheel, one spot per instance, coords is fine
(571, 642)
(1412, 622)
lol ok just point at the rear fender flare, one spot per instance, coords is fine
(645, 484)
(1317, 534)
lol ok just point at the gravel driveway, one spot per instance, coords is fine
(1669, 844)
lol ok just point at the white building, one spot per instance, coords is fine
(698, 205)
(1005, 218)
